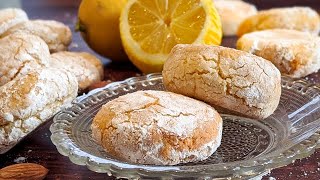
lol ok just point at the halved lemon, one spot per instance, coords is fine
(150, 28)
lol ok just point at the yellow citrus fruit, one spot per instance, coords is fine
(150, 28)
(99, 27)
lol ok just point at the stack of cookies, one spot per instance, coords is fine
(35, 84)
(288, 37)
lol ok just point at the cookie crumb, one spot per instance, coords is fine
(20, 160)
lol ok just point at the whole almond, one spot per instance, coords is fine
(28, 171)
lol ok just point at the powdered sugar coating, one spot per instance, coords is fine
(57, 35)
(10, 17)
(297, 18)
(29, 100)
(156, 127)
(295, 53)
(21, 53)
(86, 67)
(225, 77)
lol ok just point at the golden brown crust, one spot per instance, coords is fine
(29, 100)
(94, 61)
(232, 14)
(156, 127)
(296, 18)
(295, 53)
(87, 68)
(10, 17)
(20, 53)
(225, 77)
(57, 35)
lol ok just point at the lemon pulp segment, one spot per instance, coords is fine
(159, 25)
(151, 28)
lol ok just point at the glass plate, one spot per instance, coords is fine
(249, 147)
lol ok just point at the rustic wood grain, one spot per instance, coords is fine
(38, 148)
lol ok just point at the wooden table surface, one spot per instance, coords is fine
(38, 148)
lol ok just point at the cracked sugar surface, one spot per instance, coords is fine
(293, 52)
(298, 18)
(21, 53)
(156, 127)
(87, 68)
(29, 100)
(224, 77)
(55, 34)
(10, 17)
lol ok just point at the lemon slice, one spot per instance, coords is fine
(150, 28)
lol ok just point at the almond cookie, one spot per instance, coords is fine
(10, 17)
(157, 127)
(29, 100)
(232, 14)
(87, 68)
(57, 35)
(225, 77)
(20, 53)
(296, 18)
(294, 53)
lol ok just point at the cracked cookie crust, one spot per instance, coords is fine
(157, 127)
(29, 100)
(86, 67)
(10, 17)
(225, 77)
(19, 54)
(297, 18)
(294, 53)
(57, 35)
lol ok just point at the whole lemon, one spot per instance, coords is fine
(99, 26)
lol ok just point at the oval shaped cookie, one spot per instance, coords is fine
(86, 67)
(225, 77)
(294, 53)
(57, 35)
(232, 13)
(29, 100)
(21, 53)
(10, 17)
(296, 18)
(157, 127)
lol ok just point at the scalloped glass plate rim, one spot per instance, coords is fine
(269, 161)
